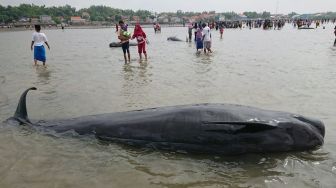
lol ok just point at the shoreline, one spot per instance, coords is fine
(13, 29)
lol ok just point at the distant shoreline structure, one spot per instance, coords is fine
(14, 29)
(84, 27)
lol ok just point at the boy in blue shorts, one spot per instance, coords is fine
(38, 41)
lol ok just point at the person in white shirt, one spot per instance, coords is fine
(206, 38)
(38, 40)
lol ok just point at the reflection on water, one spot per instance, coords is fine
(2, 79)
(3, 97)
(333, 51)
(43, 75)
(288, 70)
(136, 82)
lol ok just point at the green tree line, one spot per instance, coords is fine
(11, 13)
(8, 14)
(97, 13)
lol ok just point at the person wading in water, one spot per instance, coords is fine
(124, 37)
(206, 38)
(141, 38)
(335, 36)
(38, 40)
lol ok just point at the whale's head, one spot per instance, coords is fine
(314, 123)
(307, 133)
(248, 129)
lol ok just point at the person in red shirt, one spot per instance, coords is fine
(141, 38)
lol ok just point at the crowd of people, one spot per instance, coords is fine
(308, 23)
(202, 35)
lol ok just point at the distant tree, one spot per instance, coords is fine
(117, 17)
(251, 14)
(56, 20)
(292, 14)
(179, 13)
(266, 15)
(103, 13)
(230, 15)
(151, 17)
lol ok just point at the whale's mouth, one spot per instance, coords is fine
(319, 125)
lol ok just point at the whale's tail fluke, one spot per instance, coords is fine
(21, 110)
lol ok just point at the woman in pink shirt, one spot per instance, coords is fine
(141, 37)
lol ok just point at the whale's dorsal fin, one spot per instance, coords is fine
(21, 110)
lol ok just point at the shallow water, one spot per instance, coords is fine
(289, 70)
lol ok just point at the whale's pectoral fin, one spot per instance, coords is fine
(237, 127)
(21, 110)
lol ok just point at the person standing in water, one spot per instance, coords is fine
(199, 39)
(206, 38)
(335, 36)
(158, 27)
(195, 28)
(38, 41)
(117, 28)
(124, 37)
(190, 28)
(141, 38)
(221, 30)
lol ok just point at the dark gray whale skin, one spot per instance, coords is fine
(118, 44)
(174, 39)
(203, 128)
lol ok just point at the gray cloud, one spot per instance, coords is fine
(285, 6)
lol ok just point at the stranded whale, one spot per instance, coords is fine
(118, 44)
(203, 128)
(174, 39)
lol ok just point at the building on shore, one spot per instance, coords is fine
(86, 15)
(135, 19)
(125, 18)
(77, 20)
(241, 17)
(23, 20)
(45, 19)
(34, 20)
(163, 19)
(175, 20)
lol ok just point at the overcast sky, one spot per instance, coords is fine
(284, 6)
